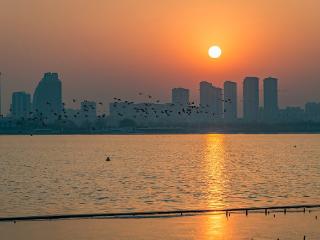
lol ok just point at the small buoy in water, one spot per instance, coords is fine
(108, 159)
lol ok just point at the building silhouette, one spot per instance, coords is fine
(230, 101)
(73, 115)
(251, 99)
(88, 111)
(211, 104)
(47, 97)
(291, 114)
(20, 105)
(180, 96)
(312, 111)
(218, 103)
(270, 95)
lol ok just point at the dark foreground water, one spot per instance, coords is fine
(69, 174)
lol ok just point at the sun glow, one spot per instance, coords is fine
(214, 51)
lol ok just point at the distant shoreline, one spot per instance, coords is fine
(222, 128)
(151, 132)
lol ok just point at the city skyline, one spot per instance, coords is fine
(215, 104)
(100, 51)
(6, 95)
(193, 96)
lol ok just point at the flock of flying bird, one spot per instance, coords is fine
(143, 110)
(42, 117)
(146, 110)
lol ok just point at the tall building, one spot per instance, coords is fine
(88, 111)
(270, 94)
(217, 103)
(251, 99)
(206, 95)
(230, 101)
(20, 105)
(210, 101)
(47, 98)
(180, 96)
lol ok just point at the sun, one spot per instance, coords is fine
(214, 51)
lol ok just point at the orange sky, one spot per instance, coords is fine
(105, 48)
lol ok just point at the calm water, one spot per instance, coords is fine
(69, 174)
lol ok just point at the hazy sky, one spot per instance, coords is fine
(104, 49)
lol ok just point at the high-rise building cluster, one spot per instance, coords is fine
(216, 105)
(219, 105)
(46, 105)
(178, 112)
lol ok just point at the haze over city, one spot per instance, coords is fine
(169, 119)
(118, 48)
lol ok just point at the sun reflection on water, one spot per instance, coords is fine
(214, 225)
(215, 164)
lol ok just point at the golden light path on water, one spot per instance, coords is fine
(214, 161)
(215, 225)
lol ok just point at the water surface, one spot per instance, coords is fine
(69, 174)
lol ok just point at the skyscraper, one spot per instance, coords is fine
(206, 96)
(270, 94)
(180, 96)
(47, 98)
(20, 105)
(210, 101)
(217, 103)
(251, 99)
(230, 101)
